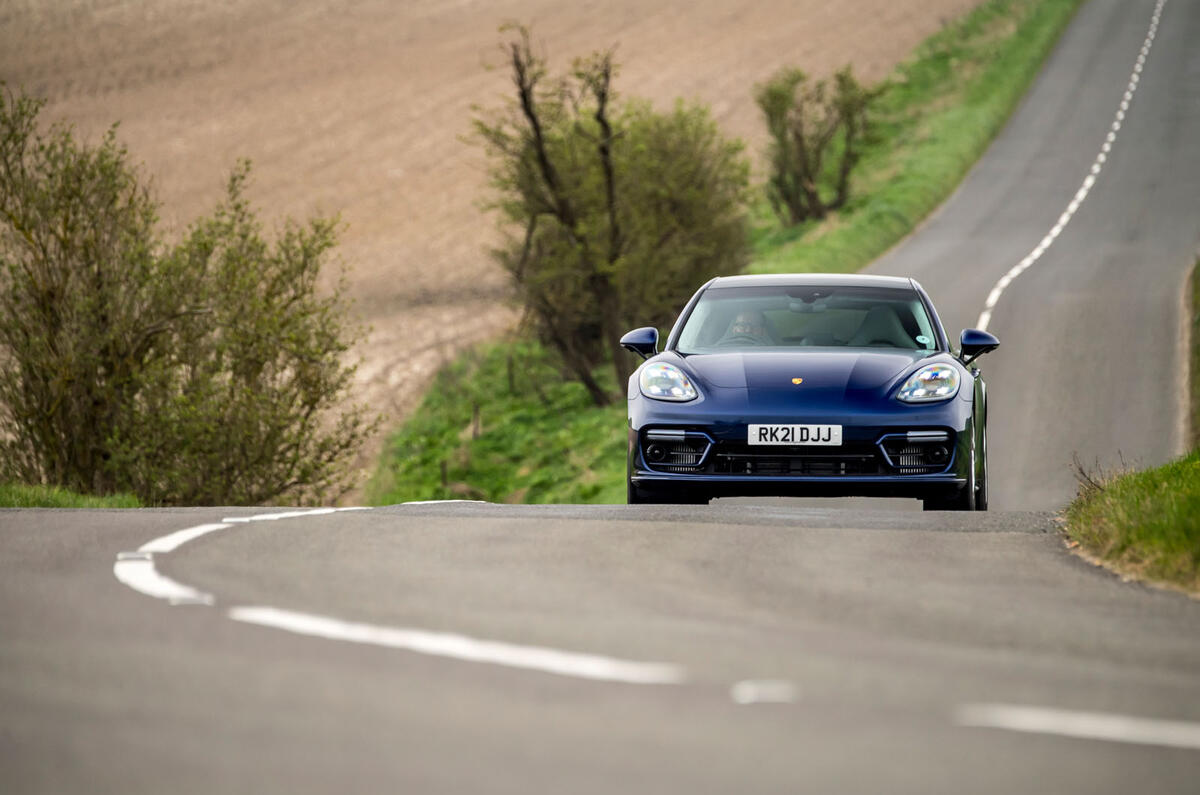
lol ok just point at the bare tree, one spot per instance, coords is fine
(609, 234)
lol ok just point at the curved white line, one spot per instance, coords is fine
(137, 570)
(993, 298)
(175, 540)
(140, 575)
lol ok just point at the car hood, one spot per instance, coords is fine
(829, 373)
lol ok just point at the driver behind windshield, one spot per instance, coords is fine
(748, 328)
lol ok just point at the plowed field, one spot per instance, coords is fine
(360, 108)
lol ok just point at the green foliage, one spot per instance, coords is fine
(816, 134)
(612, 214)
(15, 495)
(502, 423)
(200, 373)
(937, 115)
(1145, 523)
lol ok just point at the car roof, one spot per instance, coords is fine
(810, 280)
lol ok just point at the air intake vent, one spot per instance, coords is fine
(674, 451)
(918, 452)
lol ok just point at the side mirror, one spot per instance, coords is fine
(976, 343)
(642, 341)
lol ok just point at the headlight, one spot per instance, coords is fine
(933, 382)
(663, 381)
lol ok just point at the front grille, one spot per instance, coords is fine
(794, 462)
(681, 457)
(910, 458)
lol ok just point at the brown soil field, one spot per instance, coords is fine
(361, 108)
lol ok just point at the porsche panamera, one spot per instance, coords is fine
(808, 385)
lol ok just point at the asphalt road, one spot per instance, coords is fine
(468, 647)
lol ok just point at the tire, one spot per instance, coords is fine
(981, 488)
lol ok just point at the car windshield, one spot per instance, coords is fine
(731, 319)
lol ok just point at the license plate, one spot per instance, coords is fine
(830, 435)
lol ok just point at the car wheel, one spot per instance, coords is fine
(981, 488)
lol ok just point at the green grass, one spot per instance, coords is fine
(551, 445)
(479, 434)
(18, 496)
(1147, 524)
(1144, 524)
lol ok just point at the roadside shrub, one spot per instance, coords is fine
(206, 372)
(817, 132)
(612, 214)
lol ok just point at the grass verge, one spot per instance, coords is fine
(19, 496)
(1147, 524)
(547, 443)
(501, 424)
(1144, 524)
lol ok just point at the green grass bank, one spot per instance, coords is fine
(18, 496)
(1144, 524)
(1147, 524)
(481, 434)
(501, 424)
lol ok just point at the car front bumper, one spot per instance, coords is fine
(883, 454)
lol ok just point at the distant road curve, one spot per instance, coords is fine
(1092, 335)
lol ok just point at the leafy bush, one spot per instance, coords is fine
(613, 215)
(204, 372)
(816, 135)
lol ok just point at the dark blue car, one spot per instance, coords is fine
(808, 385)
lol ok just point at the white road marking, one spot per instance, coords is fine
(137, 570)
(461, 647)
(140, 575)
(274, 517)
(1082, 725)
(175, 540)
(763, 691)
(985, 317)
